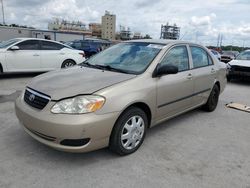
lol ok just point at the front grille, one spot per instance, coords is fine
(240, 68)
(36, 99)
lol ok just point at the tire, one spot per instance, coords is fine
(128, 134)
(1, 69)
(68, 63)
(212, 100)
(229, 78)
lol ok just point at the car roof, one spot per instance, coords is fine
(24, 38)
(163, 41)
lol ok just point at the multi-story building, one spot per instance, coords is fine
(108, 26)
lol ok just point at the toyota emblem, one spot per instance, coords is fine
(32, 97)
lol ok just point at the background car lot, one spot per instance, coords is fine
(197, 149)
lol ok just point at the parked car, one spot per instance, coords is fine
(115, 96)
(240, 67)
(89, 46)
(36, 55)
(228, 56)
(216, 54)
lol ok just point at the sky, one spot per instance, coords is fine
(200, 20)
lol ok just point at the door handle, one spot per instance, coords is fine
(189, 76)
(213, 71)
(36, 55)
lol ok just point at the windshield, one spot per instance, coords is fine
(6, 44)
(244, 56)
(129, 57)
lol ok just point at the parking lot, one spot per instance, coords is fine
(197, 149)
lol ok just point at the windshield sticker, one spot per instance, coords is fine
(155, 46)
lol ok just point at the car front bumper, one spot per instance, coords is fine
(52, 129)
(238, 74)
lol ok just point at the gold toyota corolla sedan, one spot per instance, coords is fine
(113, 98)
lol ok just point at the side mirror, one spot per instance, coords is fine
(13, 48)
(164, 70)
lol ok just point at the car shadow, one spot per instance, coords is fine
(245, 82)
(18, 75)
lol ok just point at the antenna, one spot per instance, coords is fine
(3, 12)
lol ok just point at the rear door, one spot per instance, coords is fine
(204, 74)
(52, 55)
(174, 91)
(26, 59)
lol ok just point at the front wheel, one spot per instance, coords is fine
(212, 100)
(129, 131)
(68, 63)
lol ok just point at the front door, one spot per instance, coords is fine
(26, 59)
(174, 91)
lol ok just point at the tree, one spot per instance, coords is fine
(147, 36)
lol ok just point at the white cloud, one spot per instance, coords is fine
(206, 19)
(202, 21)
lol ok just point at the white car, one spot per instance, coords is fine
(36, 55)
(216, 54)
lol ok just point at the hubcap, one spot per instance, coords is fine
(68, 64)
(132, 132)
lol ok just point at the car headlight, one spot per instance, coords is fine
(79, 105)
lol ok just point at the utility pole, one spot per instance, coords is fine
(3, 12)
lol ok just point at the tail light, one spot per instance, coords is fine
(82, 54)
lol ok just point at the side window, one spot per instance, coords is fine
(46, 45)
(85, 45)
(77, 45)
(177, 56)
(29, 45)
(200, 57)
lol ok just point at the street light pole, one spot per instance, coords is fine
(3, 12)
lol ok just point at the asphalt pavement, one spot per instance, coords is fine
(197, 149)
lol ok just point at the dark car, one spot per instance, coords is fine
(228, 56)
(89, 46)
(240, 67)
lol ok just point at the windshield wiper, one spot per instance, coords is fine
(108, 67)
(105, 67)
(87, 64)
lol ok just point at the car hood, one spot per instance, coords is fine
(244, 63)
(2, 49)
(75, 81)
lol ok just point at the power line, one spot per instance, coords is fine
(3, 12)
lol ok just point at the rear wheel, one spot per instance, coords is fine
(1, 69)
(213, 99)
(68, 63)
(229, 78)
(129, 131)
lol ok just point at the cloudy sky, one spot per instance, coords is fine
(200, 20)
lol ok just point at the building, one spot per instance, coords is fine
(125, 33)
(137, 35)
(96, 29)
(7, 33)
(170, 32)
(108, 26)
(66, 25)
